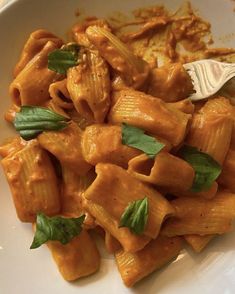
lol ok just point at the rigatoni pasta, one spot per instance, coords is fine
(110, 142)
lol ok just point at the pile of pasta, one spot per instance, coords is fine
(98, 175)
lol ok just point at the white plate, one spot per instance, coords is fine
(27, 271)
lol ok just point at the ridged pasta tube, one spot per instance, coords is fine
(114, 189)
(211, 128)
(163, 171)
(76, 259)
(129, 241)
(35, 43)
(149, 113)
(32, 181)
(135, 266)
(97, 146)
(31, 85)
(134, 70)
(200, 216)
(89, 86)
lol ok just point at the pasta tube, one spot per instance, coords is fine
(114, 189)
(211, 128)
(135, 266)
(37, 40)
(97, 146)
(131, 68)
(32, 181)
(89, 86)
(31, 85)
(200, 216)
(170, 82)
(163, 171)
(149, 113)
(129, 241)
(76, 259)
(65, 145)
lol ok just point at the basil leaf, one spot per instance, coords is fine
(135, 216)
(56, 229)
(60, 60)
(135, 137)
(206, 168)
(32, 120)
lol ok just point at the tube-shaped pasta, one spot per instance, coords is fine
(60, 95)
(76, 259)
(135, 266)
(211, 128)
(65, 145)
(32, 181)
(114, 189)
(11, 146)
(31, 85)
(170, 83)
(134, 70)
(36, 41)
(129, 241)
(185, 106)
(226, 178)
(152, 114)
(89, 86)
(97, 146)
(163, 171)
(197, 242)
(200, 216)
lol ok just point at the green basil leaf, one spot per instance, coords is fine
(60, 60)
(56, 229)
(135, 137)
(32, 120)
(36, 113)
(135, 216)
(206, 168)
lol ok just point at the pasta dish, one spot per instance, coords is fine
(109, 143)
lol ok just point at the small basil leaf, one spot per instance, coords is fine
(32, 120)
(135, 216)
(135, 137)
(43, 125)
(206, 168)
(56, 229)
(60, 60)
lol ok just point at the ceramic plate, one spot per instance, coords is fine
(33, 271)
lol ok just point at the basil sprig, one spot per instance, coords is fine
(60, 60)
(206, 168)
(56, 229)
(135, 137)
(135, 216)
(32, 120)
